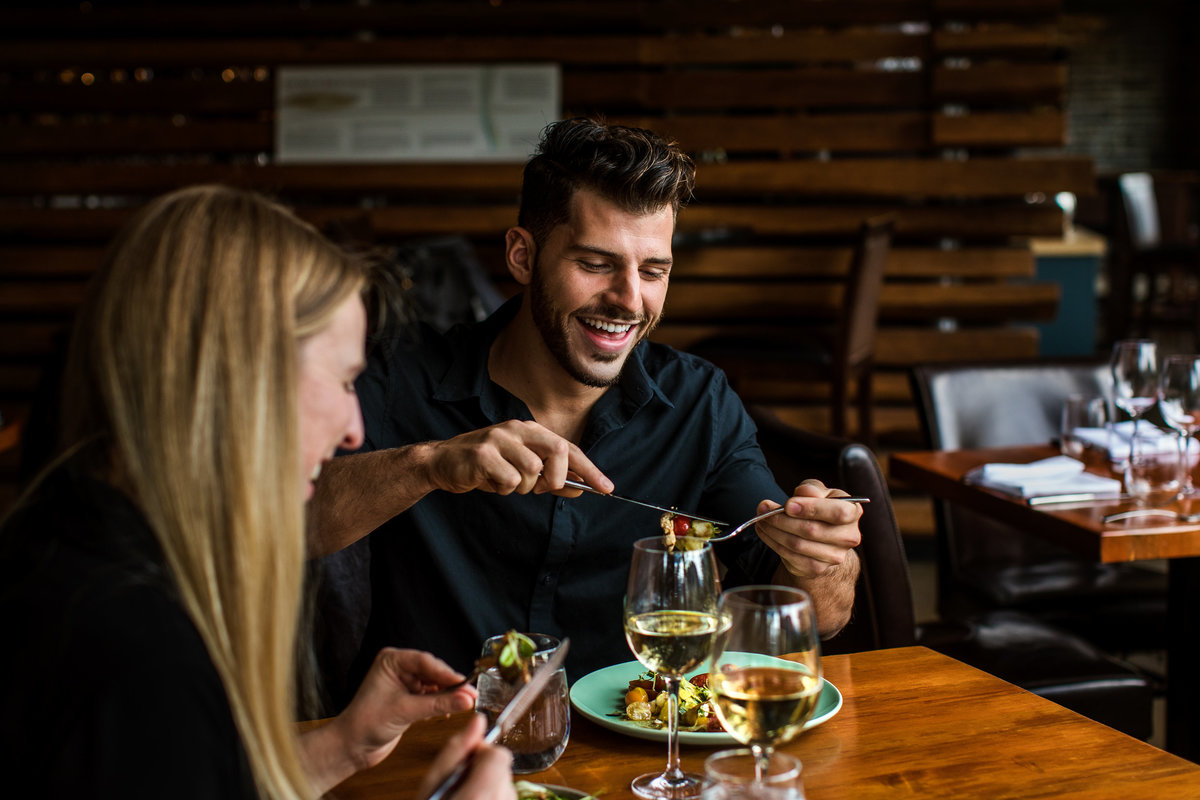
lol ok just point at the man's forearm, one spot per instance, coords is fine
(357, 493)
(832, 593)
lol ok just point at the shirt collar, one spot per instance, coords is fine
(467, 375)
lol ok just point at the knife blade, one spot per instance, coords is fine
(517, 706)
(586, 488)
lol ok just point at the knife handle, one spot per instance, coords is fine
(456, 776)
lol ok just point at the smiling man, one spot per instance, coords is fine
(470, 435)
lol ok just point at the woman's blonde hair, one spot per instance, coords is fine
(184, 361)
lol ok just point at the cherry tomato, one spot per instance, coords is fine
(682, 525)
(636, 695)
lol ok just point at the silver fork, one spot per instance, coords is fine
(773, 512)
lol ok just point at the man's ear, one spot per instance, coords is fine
(519, 254)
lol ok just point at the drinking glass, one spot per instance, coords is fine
(1080, 411)
(1134, 365)
(765, 676)
(671, 622)
(539, 737)
(1152, 469)
(732, 775)
(1179, 401)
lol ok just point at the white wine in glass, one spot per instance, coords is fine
(671, 624)
(765, 675)
(1179, 401)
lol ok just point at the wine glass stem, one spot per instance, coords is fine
(762, 761)
(673, 771)
(1185, 465)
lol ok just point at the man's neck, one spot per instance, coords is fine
(522, 364)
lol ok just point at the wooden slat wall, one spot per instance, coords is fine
(806, 116)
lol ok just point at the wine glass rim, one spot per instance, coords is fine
(782, 766)
(749, 595)
(654, 544)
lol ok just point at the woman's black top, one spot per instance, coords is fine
(106, 688)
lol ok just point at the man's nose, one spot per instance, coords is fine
(625, 289)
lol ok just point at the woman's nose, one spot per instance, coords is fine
(355, 433)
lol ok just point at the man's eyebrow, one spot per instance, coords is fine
(664, 261)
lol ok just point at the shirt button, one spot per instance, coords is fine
(547, 578)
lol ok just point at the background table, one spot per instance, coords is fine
(1081, 528)
(914, 724)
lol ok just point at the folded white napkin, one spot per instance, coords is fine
(1116, 442)
(1054, 475)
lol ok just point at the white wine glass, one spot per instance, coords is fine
(1179, 401)
(765, 675)
(1134, 366)
(671, 623)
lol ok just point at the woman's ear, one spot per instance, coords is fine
(519, 254)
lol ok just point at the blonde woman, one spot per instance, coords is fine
(151, 582)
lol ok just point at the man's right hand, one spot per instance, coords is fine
(516, 456)
(358, 493)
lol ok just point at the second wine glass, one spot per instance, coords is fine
(671, 623)
(765, 676)
(1134, 365)
(1179, 400)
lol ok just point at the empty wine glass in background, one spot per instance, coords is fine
(1179, 401)
(1134, 365)
(671, 623)
(765, 676)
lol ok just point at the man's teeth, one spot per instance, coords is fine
(316, 473)
(608, 327)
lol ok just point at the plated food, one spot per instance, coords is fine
(646, 703)
(599, 697)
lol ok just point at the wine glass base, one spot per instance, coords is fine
(658, 786)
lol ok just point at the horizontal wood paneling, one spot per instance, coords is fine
(765, 261)
(847, 177)
(805, 116)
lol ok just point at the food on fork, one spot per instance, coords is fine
(676, 525)
(512, 657)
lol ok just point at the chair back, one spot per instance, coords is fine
(1141, 209)
(883, 606)
(993, 404)
(997, 404)
(858, 318)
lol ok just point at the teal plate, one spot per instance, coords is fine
(599, 694)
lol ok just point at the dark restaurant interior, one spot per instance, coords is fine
(1012, 148)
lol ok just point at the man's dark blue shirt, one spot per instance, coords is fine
(458, 568)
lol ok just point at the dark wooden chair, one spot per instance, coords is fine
(1045, 660)
(986, 565)
(837, 356)
(1155, 260)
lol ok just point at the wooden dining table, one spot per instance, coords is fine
(1081, 528)
(913, 724)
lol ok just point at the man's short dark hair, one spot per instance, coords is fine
(635, 169)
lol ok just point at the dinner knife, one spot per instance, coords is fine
(518, 705)
(586, 488)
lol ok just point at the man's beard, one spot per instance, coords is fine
(555, 328)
